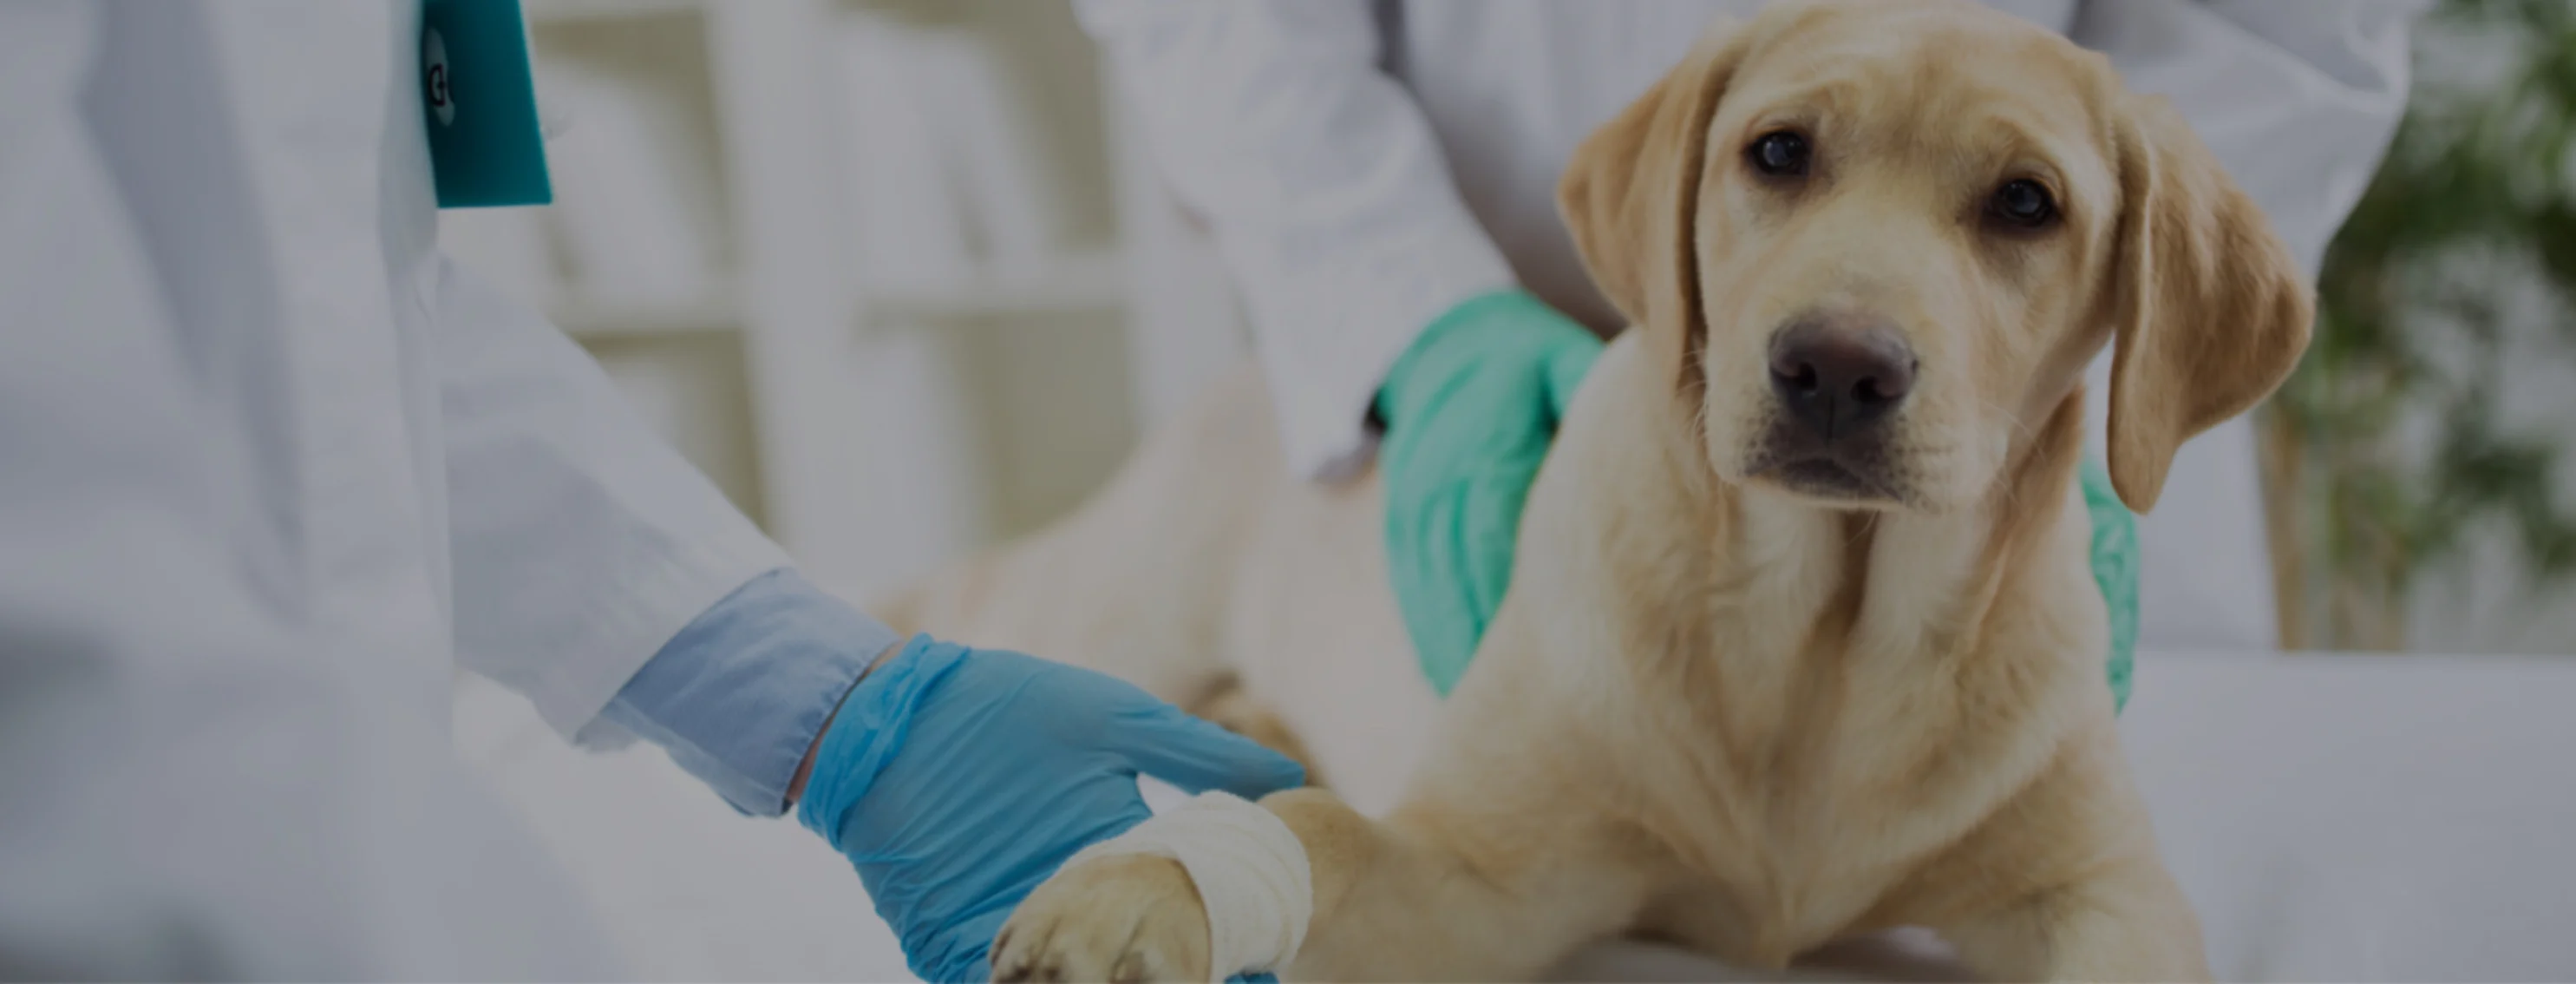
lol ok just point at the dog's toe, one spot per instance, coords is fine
(1122, 918)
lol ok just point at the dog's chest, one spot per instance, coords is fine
(1785, 837)
(1800, 766)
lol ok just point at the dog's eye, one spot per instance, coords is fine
(2024, 203)
(1780, 153)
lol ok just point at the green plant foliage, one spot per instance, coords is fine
(2476, 202)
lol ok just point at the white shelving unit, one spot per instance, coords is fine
(879, 424)
(1076, 281)
(597, 317)
(576, 11)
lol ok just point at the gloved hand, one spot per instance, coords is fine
(1469, 412)
(957, 779)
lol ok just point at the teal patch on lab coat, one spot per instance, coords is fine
(485, 146)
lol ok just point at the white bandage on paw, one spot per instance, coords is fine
(1251, 874)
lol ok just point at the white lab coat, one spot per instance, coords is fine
(271, 470)
(1366, 164)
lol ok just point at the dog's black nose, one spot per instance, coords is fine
(1839, 374)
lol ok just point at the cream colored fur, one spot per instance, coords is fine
(1749, 720)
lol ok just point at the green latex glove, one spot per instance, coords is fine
(2115, 571)
(1469, 411)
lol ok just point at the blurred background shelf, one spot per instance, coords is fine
(597, 316)
(552, 12)
(1094, 280)
(819, 242)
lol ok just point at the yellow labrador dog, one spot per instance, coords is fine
(1802, 642)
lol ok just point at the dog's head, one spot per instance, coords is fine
(1878, 243)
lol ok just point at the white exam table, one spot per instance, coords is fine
(2334, 818)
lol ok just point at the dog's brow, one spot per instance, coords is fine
(2010, 138)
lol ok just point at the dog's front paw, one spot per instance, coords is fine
(1124, 917)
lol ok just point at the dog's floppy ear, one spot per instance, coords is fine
(2209, 311)
(1630, 193)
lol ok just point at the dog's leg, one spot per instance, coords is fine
(2128, 923)
(1430, 895)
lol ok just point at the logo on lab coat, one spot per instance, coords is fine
(433, 59)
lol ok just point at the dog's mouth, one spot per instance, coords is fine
(1838, 477)
(1825, 478)
(1821, 476)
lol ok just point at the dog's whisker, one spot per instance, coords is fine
(2019, 425)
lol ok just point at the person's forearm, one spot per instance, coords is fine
(2298, 101)
(580, 540)
(1324, 185)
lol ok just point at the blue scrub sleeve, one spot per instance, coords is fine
(739, 695)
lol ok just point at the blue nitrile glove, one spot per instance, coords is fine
(1469, 412)
(957, 779)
